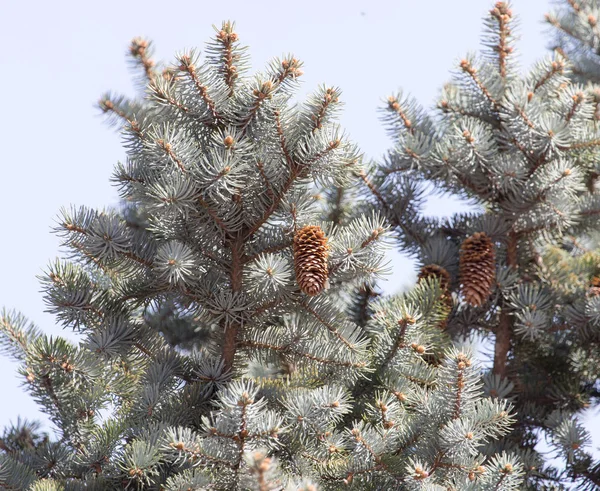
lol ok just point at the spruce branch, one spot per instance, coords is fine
(188, 64)
(140, 51)
(123, 110)
(502, 14)
(17, 334)
(226, 56)
(467, 67)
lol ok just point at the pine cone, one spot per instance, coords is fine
(436, 271)
(477, 268)
(310, 259)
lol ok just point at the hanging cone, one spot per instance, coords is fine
(442, 275)
(477, 268)
(310, 259)
(435, 271)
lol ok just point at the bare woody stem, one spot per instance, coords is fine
(232, 329)
(504, 331)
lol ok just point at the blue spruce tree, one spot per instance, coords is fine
(233, 336)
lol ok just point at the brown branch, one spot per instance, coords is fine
(260, 96)
(386, 206)
(537, 163)
(399, 344)
(366, 294)
(504, 329)
(542, 195)
(106, 105)
(589, 213)
(188, 67)
(269, 188)
(332, 329)
(213, 214)
(166, 98)
(227, 37)
(465, 181)
(261, 309)
(130, 178)
(580, 145)
(578, 98)
(198, 454)
(75, 228)
(291, 68)
(137, 259)
(395, 107)
(232, 329)
(328, 99)
(447, 108)
(374, 235)
(466, 66)
(460, 385)
(556, 67)
(362, 174)
(528, 121)
(293, 169)
(151, 357)
(502, 14)
(282, 143)
(18, 337)
(166, 146)
(47, 384)
(296, 170)
(409, 443)
(139, 51)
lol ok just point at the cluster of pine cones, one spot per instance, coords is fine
(477, 271)
(477, 266)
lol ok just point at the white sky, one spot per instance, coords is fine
(58, 57)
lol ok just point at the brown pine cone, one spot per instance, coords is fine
(435, 271)
(477, 268)
(310, 259)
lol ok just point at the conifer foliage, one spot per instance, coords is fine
(229, 338)
(231, 332)
(525, 150)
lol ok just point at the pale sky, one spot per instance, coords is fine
(58, 57)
